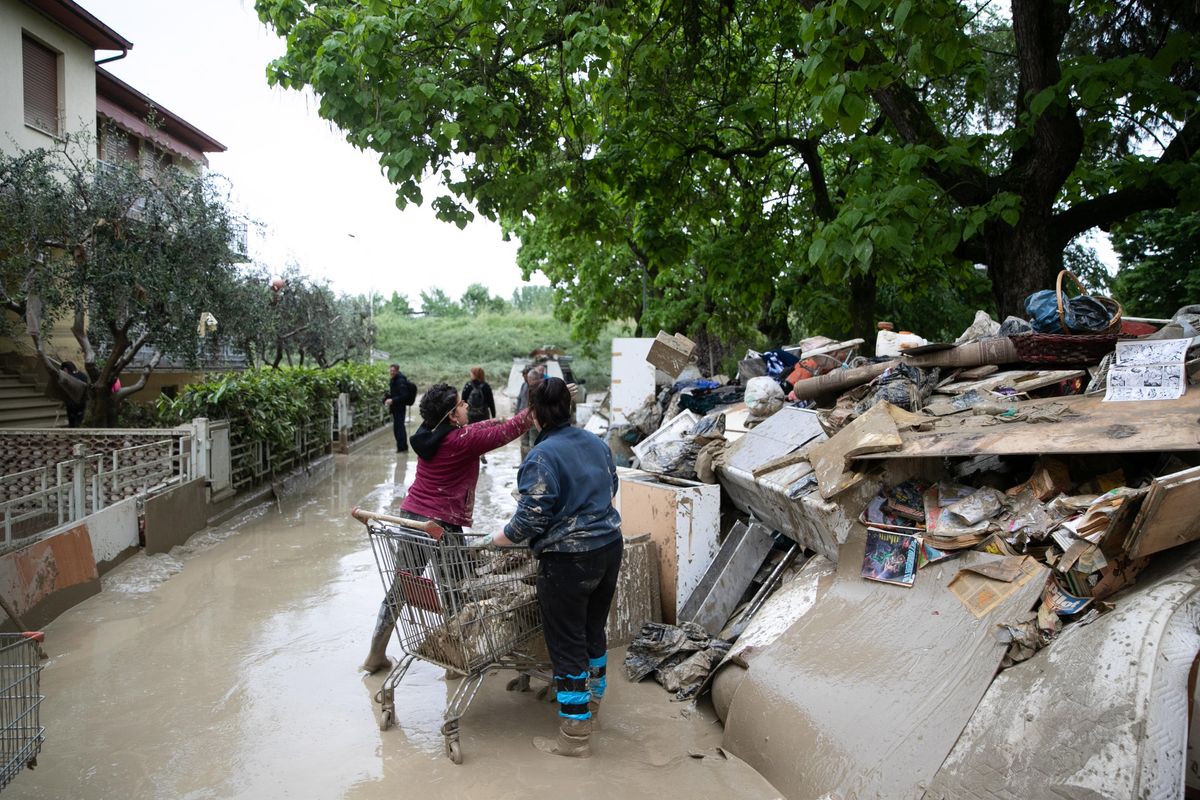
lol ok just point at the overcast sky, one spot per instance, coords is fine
(324, 204)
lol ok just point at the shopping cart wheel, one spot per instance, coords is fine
(453, 751)
(386, 717)
(519, 683)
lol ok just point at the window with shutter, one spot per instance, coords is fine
(40, 67)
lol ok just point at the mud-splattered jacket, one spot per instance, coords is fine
(566, 487)
(448, 465)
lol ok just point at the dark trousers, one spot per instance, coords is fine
(398, 427)
(575, 591)
(75, 415)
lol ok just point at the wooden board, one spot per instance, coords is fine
(873, 432)
(1168, 516)
(1021, 380)
(1098, 427)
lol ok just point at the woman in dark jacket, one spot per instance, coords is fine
(566, 516)
(477, 394)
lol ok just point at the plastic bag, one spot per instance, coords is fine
(982, 328)
(1083, 314)
(1042, 310)
(763, 396)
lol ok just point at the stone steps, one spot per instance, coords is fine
(23, 405)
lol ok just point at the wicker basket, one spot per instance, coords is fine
(1054, 348)
(1114, 308)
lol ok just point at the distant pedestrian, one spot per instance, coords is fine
(477, 392)
(481, 405)
(533, 377)
(400, 395)
(74, 388)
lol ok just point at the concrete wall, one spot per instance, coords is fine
(76, 78)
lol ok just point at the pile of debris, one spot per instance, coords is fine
(959, 506)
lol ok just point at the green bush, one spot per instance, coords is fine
(272, 404)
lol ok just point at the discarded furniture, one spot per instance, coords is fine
(728, 577)
(683, 520)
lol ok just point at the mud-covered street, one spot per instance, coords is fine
(228, 669)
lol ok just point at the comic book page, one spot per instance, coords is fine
(1148, 370)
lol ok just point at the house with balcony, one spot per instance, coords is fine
(57, 48)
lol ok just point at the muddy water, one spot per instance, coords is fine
(227, 669)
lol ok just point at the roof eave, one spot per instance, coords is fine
(79, 21)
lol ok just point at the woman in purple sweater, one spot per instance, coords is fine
(448, 451)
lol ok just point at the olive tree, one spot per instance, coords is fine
(130, 259)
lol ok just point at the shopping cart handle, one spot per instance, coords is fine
(37, 636)
(428, 526)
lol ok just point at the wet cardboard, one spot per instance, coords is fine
(1168, 515)
(872, 432)
(671, 353)
(872, 685)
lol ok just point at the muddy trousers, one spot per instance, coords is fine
(386, 621)
(575, 591)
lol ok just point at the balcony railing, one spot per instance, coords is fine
(209, 357)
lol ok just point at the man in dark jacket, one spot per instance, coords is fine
(397, 400)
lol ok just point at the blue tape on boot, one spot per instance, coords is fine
(598, 677)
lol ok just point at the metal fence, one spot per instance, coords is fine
(45, 497)
(68, 489)
(255, 460)
(368, 414)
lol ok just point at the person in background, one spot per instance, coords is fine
(73, 384)
(397, 401)
(477, 393)
(481, 405)
(566, 516)
(533, 377)
(448, 449)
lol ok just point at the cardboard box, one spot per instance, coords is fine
(670, 353)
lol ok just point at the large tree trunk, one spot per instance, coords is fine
(863, 294)
(102, 407)
(1021, 261)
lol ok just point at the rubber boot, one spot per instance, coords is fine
(377, 659)
(573, 740)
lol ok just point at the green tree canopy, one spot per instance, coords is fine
(1160, 262)
(436, 303)
(709, 166)
(477, 299)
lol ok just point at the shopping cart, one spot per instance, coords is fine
(21, 733)
(466, 610)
